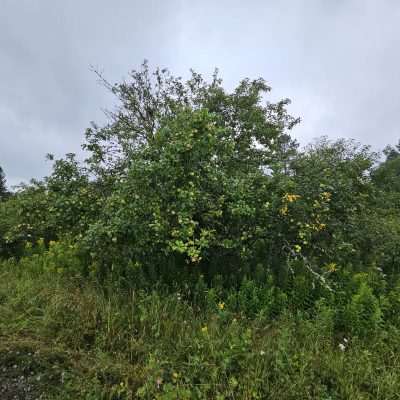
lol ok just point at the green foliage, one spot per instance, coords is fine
(148, 99)
(363, 314)
(387, 175)
(3, 187)
(63, 205)
(334, 178)
(183, 199)
(24, 218)
(101, 343)
(74, 201)
(198, 253)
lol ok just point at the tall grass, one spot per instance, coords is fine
(114, 344)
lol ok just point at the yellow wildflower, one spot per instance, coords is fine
(284, 210)
(297, 248)
(318, 226)
(204, 329)
(221, 305)
(175, 375)
(331, 267)
(326, 196)
(290, 198)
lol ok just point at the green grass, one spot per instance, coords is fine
(101, 343)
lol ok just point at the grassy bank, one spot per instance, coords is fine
(73, 340)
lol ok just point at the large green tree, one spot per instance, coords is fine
(387, 174)
(189, 176)
(386, 178)
(3, 187)
(186, 169)
(257, 127)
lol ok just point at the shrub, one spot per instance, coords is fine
(363, 314)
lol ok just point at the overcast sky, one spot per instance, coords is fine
(339, 62)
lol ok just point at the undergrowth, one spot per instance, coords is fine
(95, 342)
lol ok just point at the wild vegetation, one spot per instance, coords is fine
(199, 253)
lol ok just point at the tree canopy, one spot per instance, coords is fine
(207, 252)
(3, 187)
(187, 176)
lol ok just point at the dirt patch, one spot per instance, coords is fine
(18, 388)
(29, 373)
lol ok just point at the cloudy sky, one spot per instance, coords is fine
(339, 62)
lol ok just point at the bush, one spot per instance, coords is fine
(363, 314)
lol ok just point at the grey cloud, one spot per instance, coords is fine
(338, 61)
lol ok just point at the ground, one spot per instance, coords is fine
(29, 370)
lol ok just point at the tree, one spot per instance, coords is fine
(259, 129)
(335, 178)
(3, 187)
(386, 178)
(188, 176)
(185, 168)
(392, 152)
(185, 200)
(387, 175)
